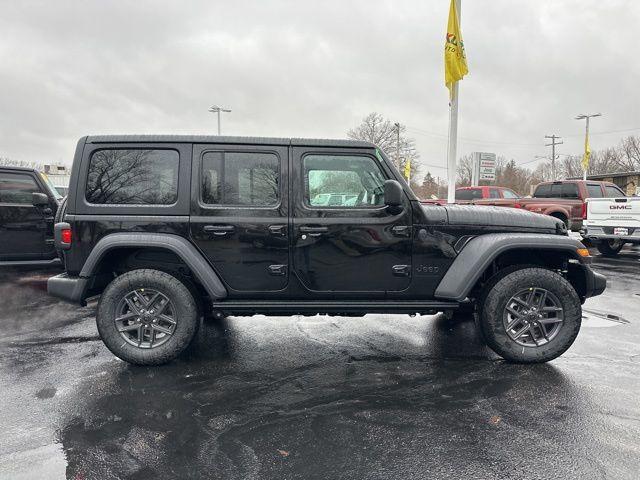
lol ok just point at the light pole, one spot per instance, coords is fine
(586, 135)
(217, 109)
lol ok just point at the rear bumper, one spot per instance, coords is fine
(575, 224)
(604, 233)
(68, 288)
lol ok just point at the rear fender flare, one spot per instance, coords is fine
(174, 243)
(480, 252)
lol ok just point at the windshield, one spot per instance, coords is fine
(50, 186)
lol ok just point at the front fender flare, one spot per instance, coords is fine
(176, 244)
(479, 252)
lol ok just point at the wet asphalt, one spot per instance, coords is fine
(379, 397)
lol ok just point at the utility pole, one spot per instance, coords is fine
(217, 109)
(397, 125)
(586, 134)
(553, 152)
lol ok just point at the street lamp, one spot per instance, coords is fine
(582, 116)
(217, 109)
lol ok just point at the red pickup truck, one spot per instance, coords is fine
(485, 192)
(563, 199)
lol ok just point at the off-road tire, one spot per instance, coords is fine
(495, 301)
(605, 248)
(186, 309)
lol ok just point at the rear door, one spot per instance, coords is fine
(23, 227)
(356, 244)
(239, 214)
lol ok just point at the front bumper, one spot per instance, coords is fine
(68, 288)
(596, 283)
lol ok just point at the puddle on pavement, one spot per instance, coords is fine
(596, 319)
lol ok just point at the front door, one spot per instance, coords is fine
(345, 240)
(23, 227)
(239, 214)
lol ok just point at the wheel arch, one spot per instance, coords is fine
(177, 252)
(486, 255)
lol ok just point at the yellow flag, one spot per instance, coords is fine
(407, 169)
(455, 60)
(587, 153)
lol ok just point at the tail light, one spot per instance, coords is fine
(584, 210)
(62, 235)
(65, 235)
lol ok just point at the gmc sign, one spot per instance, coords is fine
(619, 207)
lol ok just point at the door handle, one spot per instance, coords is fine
(279, 230)
(401, 270)
(277, 270)
(314, 231)
(219, 230)
(401, 231)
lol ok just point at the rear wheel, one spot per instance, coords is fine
(147, 317)
(610, 248)
(531, 315)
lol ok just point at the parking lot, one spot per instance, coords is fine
(318, 397)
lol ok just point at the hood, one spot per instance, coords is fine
(503, 218)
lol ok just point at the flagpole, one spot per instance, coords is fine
(453, 130)
(586, 139)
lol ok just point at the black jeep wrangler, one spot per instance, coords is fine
(29, 206)
(171, 229)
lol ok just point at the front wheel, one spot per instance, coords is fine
(531, 315)
(610, 248)
(147, 317)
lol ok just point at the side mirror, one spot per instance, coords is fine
(393, 193)
(39, 199)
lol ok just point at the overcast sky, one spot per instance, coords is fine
(315, 68)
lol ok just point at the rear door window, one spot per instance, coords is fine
(17, 188)
(122, 176)
(240, 178)
(594, 190)
(494, 193)
(569, 190)
(543, 191)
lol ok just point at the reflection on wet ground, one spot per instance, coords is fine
(318, 397)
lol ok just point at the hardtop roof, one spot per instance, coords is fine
(315, 142)
(18, 169)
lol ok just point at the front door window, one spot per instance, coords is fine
(348, 181)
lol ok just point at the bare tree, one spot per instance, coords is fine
(629, 154)
(465, 170)
(383, 133)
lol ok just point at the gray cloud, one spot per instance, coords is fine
(294, 68)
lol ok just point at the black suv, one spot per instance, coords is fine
(170, 229)
(28, 205)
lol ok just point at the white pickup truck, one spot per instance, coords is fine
(612, 222)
